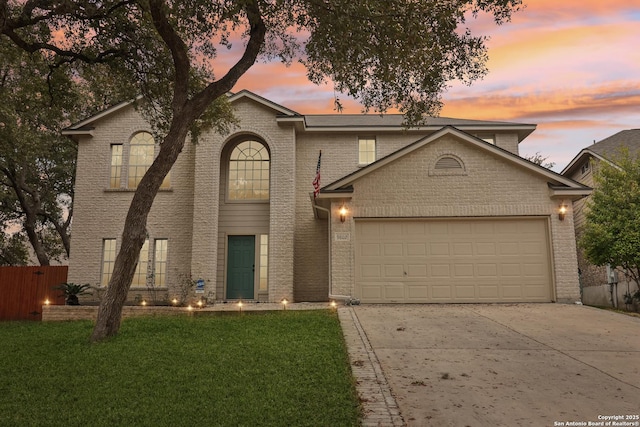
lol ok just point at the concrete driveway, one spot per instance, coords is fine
(499, 365)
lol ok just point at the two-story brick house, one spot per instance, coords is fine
(446, 212)
(596, 289)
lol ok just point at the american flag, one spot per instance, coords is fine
(316, 180)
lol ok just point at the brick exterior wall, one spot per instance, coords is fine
(299, 256)
(208, 244)
(99, 211)
(491, 187)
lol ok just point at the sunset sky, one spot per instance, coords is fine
(570, 66)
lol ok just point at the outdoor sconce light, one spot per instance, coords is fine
(343, 214)
(562, 212)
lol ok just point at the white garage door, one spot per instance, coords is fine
(461, 260)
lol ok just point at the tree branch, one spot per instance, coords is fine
(257, 34)
(178, 49)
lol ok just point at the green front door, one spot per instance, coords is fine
(241, 267)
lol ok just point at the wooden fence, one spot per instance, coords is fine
(23, 290)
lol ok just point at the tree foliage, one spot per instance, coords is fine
(612, 230)
(384, 53)
(37, 165)
(13, 249)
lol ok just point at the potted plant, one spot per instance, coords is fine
(71, 292)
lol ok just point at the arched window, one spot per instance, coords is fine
(141, 155)
(249, 172)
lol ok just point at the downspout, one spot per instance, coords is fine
(332, 296)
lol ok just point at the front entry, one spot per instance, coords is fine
(241, 267)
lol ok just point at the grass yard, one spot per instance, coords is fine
(287, 368)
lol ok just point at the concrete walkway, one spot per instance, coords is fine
(379, 405)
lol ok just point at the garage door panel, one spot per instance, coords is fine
(462, 260)
(439, 249)
(417, 293)
(370, 271)
(417, 249)
(507, 248)
(441, 293)
(372, 292)
(488, 292)
(370, 249)
(510, 270)
(393, 271)
(464, 248)
(486, 248)
(487, 270)
(440, 271)
(417, 271)
(531, 248)
(465, 292)
(394, 292)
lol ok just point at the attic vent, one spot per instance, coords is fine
(448, 163)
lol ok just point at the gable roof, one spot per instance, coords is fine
(603, 150)
(84, 127)
(559, 185)
(246, 94)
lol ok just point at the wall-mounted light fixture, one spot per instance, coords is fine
(343, 214)
(562, 212)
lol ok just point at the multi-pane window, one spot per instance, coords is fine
(160, 263)
(142, 269)
(116, 166)
(249, 172)
(366, 150)
(140, 276)
(140, 157)
(264, 261)
(108, 260)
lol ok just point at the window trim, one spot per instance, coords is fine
(361, 152)
(139, 166)
(111, 263)
(115, 171)
(228, 160)
(125, 165)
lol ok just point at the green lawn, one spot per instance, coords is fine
(287, 368)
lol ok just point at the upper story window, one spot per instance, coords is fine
(129, 162)
(116, 166)
(491, 139)
(249, 172)
(585, 168)
(366, 150)
(141, 152)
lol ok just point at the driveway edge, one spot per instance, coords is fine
(379, 407)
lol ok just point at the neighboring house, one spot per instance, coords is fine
(447, 212)
(594, 280)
